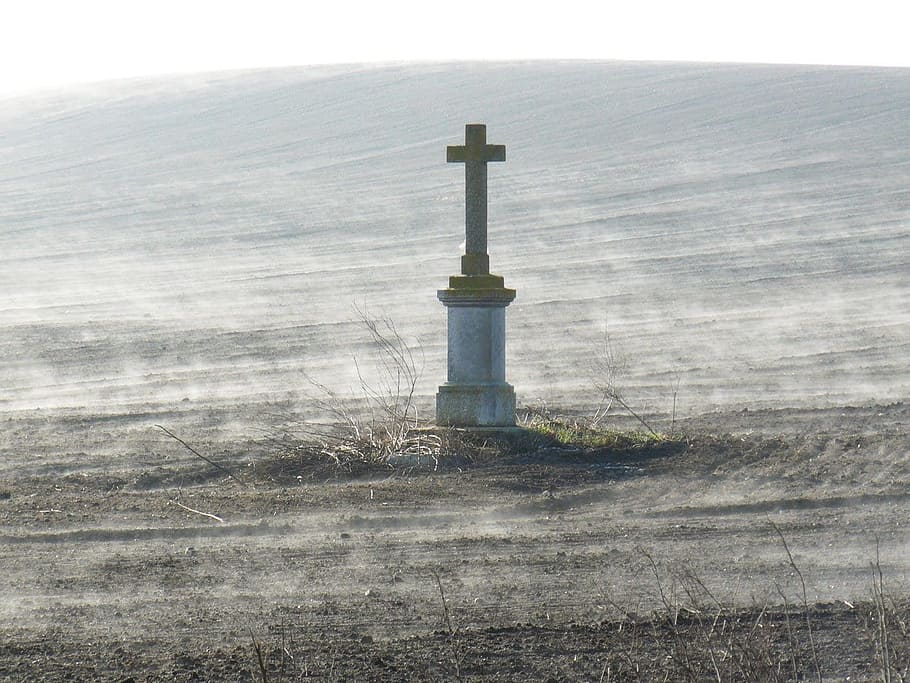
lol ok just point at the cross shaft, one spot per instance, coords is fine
(475, 154)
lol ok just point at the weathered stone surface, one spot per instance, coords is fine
(477, 339)
(475, 154)
(476, 393)
(476, 405)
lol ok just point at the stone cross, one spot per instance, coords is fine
(474, 154)
(476, 394)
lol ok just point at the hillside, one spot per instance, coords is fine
(742, 230)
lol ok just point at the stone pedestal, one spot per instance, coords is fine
(476, 393)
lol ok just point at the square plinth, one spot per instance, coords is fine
(476, 405)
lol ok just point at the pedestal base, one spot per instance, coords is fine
(476, 405)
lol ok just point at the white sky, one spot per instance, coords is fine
(52, 42)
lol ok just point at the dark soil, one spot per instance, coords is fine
(746, 548)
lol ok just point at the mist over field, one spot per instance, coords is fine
(192, 253)
(203, 241)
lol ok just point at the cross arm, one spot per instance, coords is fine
(464, 153)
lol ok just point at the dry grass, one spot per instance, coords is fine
(584, 432)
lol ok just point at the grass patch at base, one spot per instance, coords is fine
(580, 433)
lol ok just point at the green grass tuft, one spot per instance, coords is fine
(576, 432)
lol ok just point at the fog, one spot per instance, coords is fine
(740, 230)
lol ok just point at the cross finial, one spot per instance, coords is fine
(475, 154)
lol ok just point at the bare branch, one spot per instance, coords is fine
(199, 455)
(198, 512)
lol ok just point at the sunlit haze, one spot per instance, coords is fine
(47, 43)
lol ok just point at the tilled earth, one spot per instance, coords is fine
(748, 547)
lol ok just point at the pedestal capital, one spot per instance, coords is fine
(477, 295)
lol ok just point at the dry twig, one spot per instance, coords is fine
(198, 512)
(802, 583)
(199, 455)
